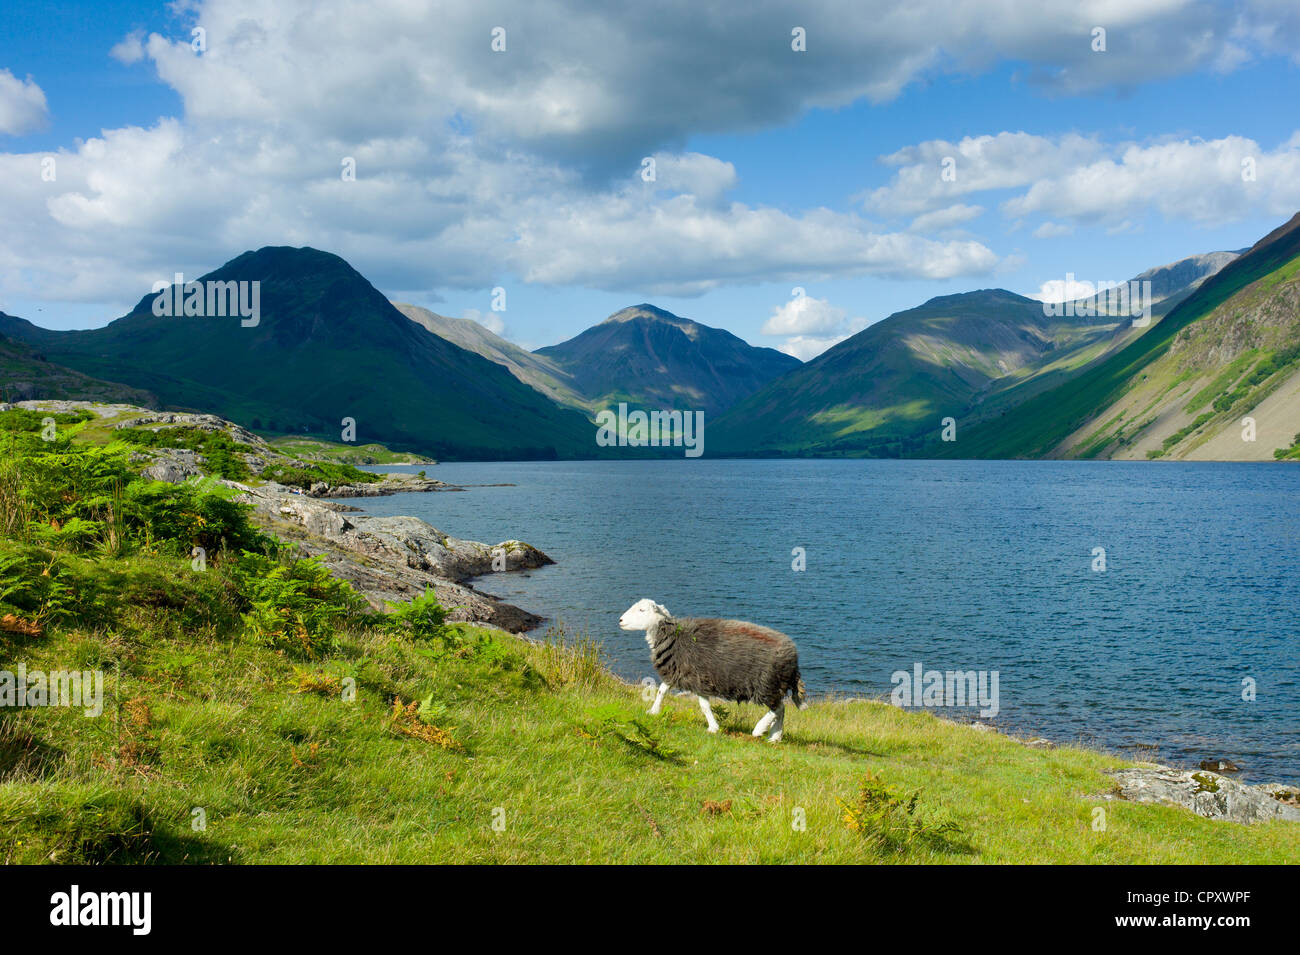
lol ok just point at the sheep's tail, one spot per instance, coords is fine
(797, 692)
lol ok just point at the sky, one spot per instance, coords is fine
(792, 172)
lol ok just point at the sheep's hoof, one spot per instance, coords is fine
(775, 738)
(713, 729)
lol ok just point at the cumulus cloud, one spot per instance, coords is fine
(476, 167)
(933, 174)
(812, 324)
(1082, 180)
(1053, 230)
(130, 49)
(1066, 290)
(808, 347)
(22, 105)
(942, 219)
(803, 314)
(1202, 181)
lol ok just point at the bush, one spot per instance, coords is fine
(422, 618)
(222, 455)
(296, 606)
(324, 472)
(887, 818)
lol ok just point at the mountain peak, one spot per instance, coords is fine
(647, 311)
(980, 296)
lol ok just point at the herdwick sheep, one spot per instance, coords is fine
(729, 659)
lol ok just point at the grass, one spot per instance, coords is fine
(312, 449)
(203, 724)
(256, 712)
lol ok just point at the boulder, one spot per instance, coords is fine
(1205, 793)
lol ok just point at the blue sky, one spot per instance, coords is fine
(519, 168)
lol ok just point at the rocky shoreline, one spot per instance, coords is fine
(386, 559)
(393, 559)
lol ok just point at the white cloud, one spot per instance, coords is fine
(1202, 181)
(475, 167)
(130, 49)
(812, 324)
(934, 173)
(1065, 290)
(22, 105)
(803, 314)
(1053, 230)
(1076, 180)
(806, 347)
(942, 219)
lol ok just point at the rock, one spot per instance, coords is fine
(393, 559)
(1205, 793)
(1281, 792)
(1220, 766)
(982, 727)
(391, 484)
(174, 465)
(1039, 743)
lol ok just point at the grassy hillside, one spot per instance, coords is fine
(328, 346)
(314, 449)
(1038, 426)
(875, 393)
(26, 374)
(230, 732)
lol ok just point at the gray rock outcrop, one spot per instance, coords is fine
(1208, 794)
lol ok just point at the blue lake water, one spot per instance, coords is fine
(953, 565)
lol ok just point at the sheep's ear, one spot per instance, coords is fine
(662, 610)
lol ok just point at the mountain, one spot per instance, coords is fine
(26, 374)
(874, 391)
(885, 390)
(328, 346)
(1229, 350)
(654, 359)
(537, 371)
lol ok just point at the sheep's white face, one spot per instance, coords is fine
(642, 615)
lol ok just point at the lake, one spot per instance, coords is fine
(952, 565)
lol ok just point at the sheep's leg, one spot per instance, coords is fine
(659, 699)
(764, 722)
(708, 714)
(779, 729)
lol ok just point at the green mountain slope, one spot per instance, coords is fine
(874, 392)
(1209, 346)
(654, 359)
(26, 374)
(534, 370)
(328, 346)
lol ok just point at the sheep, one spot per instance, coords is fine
(730, 659)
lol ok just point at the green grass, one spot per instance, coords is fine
(284, 770)
(255, 711)
(312, 449)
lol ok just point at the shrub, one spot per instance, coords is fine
(223, 456)
(324, 472)
(296, 606)
(887, 818)
(422, 618)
